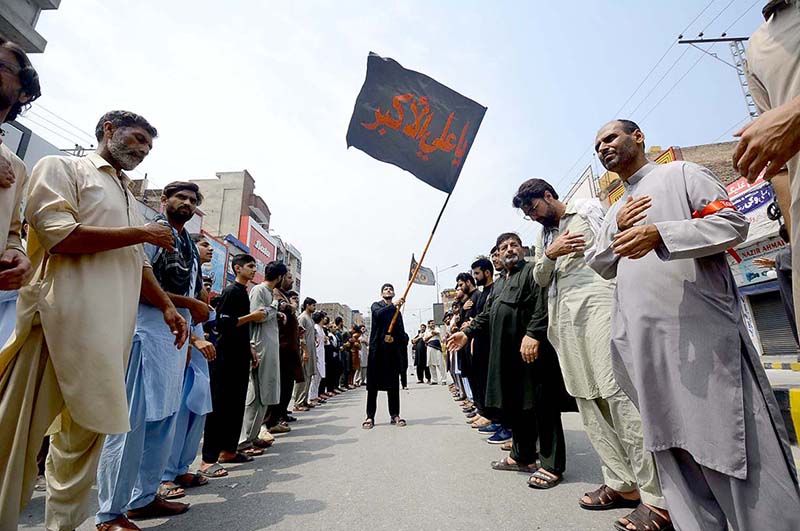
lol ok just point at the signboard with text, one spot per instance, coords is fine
(215, 269)
(261, 248)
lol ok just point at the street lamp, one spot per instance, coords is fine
(437, 279)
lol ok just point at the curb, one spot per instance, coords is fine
(792, 366)
(789, 402)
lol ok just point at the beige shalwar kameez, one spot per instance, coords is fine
(773, 72)
(580, 303)
(68, 357)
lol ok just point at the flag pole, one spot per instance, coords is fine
(388, 338)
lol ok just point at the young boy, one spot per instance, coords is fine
(230, 371)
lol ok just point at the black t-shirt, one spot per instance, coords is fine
(234, 341)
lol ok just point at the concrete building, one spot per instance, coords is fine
(758, 287)
(18, 19)
(230, 197)
(335, 309)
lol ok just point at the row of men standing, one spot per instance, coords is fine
(86, 359)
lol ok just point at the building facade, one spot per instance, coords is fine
(18, 19)
(336, 309)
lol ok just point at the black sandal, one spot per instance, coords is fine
(397, 421)
(645, 519)
(368, 424)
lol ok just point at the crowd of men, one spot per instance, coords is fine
(118, 364)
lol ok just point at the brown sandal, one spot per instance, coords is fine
(605, 498)
(645, 519)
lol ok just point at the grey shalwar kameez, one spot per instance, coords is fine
(682, 353)
(264, 388)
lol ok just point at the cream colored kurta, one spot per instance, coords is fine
(580, 314)
(87, 303)
(10, 201)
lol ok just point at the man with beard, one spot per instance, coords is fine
(421, 356)
(264, 388)
(230, 371)
(132, 463)
(308, 351)
(19, 86)
(497, 262)
(385, 350)
(680, 348)
(524, 377)
(196, 399)
(75, 324)
(483, 273)
(466, 283)
(580, 304)
(289, 349)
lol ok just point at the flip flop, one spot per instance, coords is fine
(198, 480)
(503, 464)
(238, 458)
(253, 452)
(214, 471)
(397, 421)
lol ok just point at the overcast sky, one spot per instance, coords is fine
(270, 87)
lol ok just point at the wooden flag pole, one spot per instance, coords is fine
(388, 338)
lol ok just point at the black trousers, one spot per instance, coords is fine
(276, 412)
(404, 378)
(372, 402)
(229, 379)
(543, 425)
(477, 379)
(423, 372)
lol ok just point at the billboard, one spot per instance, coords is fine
(260, 244)
(215, 269)
(753, 201)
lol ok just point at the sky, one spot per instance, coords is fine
(270, 87)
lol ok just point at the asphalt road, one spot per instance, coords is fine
(330, 474)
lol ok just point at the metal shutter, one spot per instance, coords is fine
(772, 324)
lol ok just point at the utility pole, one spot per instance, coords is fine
(736, 45)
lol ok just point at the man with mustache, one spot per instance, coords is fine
(131, 464)
(524, 378)
(579, 328)
(76, 321)
(196, 397)
(680, 348)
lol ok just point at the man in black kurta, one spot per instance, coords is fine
(524, 378)
(383, 369)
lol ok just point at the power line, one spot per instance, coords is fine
(731, 128)
(639, 86)
(54, 124)
(37, 124)
(658, 83)
(40, 106)
(676, 83)
(715, 18)
(754, 4)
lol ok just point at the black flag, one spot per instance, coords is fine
(412, 121)
(424, 276)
